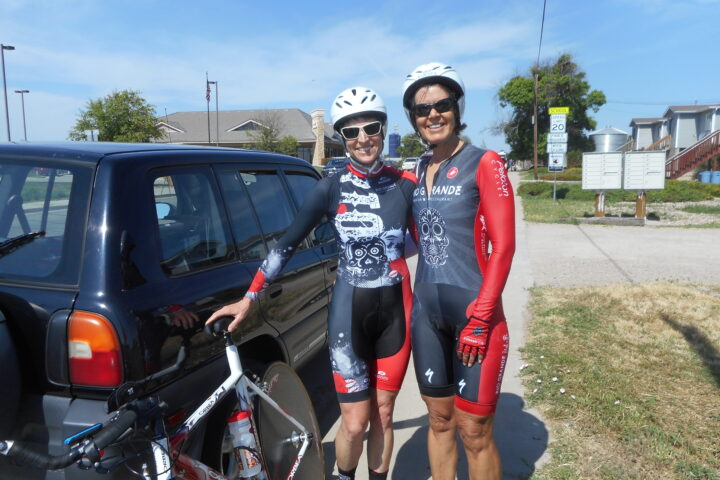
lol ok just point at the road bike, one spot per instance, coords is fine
(273, 434)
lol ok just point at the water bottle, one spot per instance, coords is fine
(240, 426)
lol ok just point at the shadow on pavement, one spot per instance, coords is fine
(521, 439)
(520, 436)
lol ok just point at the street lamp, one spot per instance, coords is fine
(2, 62)
(22, 100)
(217, 121)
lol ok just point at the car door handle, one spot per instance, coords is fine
(332, 268)
(274, 291)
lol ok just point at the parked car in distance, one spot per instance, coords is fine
(409, 163)
(334, 165)
(107, 271)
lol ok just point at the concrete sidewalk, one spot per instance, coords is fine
(519, 432)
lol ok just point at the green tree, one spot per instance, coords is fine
(119, 117)
(410, 146)
(560, 84)
(267, 134)
(288, 145)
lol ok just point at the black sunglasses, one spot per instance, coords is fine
(371, 129)
(441, 106)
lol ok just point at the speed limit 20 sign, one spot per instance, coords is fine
(557, 123)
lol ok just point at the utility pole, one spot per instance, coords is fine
(535, 127)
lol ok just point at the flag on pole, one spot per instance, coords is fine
(207, 91)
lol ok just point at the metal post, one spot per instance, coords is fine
(217, 117)
(2, 62)
(217, 121)
(207, 97)
(554, 185)
(22, 100)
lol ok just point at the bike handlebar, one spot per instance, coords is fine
(110, 433)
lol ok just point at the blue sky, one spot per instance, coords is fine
(643, 54)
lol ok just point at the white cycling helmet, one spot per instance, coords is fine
(354, 102)
(430, 73)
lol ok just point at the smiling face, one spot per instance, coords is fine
(364, 149)
(436, 128)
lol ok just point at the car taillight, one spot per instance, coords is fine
(93, 351)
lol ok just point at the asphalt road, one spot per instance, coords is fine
(546, 254)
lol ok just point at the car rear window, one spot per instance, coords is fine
(43, 211)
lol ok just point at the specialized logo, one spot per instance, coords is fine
(429, 373)
(461, 384)
(433, 239)
(452, 173)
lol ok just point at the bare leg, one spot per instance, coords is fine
(380, 438)
(442, 446)
(350, 437)
(482, 454)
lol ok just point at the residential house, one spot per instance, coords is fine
(239, 128)
(685, 124)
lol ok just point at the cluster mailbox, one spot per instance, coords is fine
(640, 171)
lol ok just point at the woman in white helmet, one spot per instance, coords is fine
(369, 206)
(463, 204)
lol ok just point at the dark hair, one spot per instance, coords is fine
(459, 126)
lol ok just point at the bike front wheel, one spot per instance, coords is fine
(276, 432)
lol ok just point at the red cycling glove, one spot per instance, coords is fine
(473, 338)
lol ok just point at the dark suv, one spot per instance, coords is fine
(112, 256)
(334, 165)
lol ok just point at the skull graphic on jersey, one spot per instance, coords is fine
(433, 238)
(367, 258)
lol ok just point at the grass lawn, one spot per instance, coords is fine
(628, 380)
(573, 202)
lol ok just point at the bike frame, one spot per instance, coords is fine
(175, 465)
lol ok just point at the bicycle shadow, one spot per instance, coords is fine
(521, 439)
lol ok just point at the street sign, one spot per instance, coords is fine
(557, 137)
(554, 110)
(557, 148)
(556, 162)
(557, 123)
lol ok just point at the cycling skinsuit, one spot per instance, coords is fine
(471, 205)
(369, 320)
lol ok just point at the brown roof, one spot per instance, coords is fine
(193, 126)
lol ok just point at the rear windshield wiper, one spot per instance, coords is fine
(12, 243)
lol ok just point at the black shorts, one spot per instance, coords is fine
(438, 315)
(369, 338)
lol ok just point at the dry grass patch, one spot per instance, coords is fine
(628, 378)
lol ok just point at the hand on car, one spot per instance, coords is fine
(183, 318)
(237, 310)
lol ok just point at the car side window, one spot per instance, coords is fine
(248, 237)
(271, 203)
(191, 228)
(301, 185)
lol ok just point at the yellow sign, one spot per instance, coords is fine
(555, 110)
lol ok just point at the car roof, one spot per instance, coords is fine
(92, 152)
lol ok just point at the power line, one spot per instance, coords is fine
(694, 102)
(542, 28)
